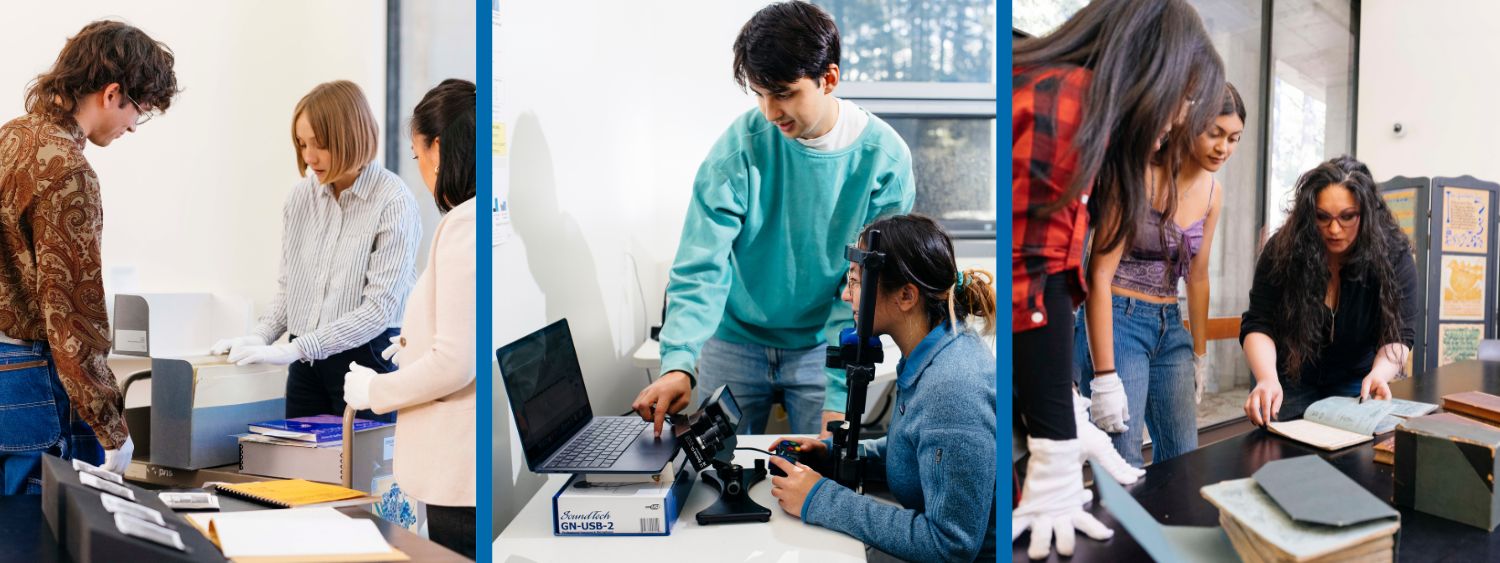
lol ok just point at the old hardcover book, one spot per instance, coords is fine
(1385, 451)
(1475, 404)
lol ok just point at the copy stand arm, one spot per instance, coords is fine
(857, 355)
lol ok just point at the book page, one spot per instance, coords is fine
(1407, 409)
(1318, 435)
(298, 538)
(1347, 413)
(1246, 503)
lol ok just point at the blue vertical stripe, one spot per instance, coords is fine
(485, 13)
(1004, 417)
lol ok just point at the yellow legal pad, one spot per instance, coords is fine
(290, 493)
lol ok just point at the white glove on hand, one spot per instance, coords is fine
(390, 351)
(357, 386)
(278, 354)
(1200, 371)
(1052, 499)
(1098, 447)
(117, 460)
(224, 346)
(1110, 409)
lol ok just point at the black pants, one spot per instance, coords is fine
(452, 527)
(1043, 362)
(317, 387)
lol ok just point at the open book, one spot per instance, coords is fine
(1339, 422)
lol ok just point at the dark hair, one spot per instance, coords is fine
(1232, 103)
(783, 43)
(105, 52)
(919, 252)
(1298, 258)
(447, 113)
(1146, 57)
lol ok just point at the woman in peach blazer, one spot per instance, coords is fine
(433, 389)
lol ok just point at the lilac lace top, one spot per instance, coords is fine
(1143, 267)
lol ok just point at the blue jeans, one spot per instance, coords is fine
(36, 419)
(755, 373)
(1154, 358)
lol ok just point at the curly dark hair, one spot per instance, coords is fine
(106, 52)
(1298, 258)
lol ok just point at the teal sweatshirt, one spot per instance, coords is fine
(762, 254)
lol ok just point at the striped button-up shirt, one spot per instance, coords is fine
(347, 263)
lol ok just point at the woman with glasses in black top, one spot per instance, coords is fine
(1333, 308)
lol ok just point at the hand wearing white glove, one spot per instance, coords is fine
(1098, 447)
(1053, 498)
(390, 351)
(1110, 409)
(117, 460)
(276, 354)
(1200, 372)
(357, 386)
(226, 345)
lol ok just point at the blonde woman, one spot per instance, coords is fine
(434, 389)
(349, 245)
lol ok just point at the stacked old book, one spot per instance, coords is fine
(1302, 509)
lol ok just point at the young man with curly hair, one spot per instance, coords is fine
(57, 394)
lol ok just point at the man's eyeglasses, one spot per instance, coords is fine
(1347, 219)
(142, 116)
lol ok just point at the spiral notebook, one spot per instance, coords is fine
(292, 493)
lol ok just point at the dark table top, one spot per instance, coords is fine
(1169, 491)
(24, 535)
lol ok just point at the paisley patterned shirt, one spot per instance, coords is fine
(51, 286)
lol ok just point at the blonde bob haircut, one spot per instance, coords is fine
(343, 124)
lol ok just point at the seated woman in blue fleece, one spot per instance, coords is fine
(939, 458)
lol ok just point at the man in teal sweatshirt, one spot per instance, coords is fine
(753, 294)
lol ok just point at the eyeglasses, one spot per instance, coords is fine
(142, 116)
(1347, 219)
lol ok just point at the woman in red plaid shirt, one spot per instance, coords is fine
(1090, 103)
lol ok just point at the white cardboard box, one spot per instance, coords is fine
(621, 509)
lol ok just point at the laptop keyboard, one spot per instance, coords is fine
(600, 443)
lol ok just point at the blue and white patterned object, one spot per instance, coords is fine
(394, 506)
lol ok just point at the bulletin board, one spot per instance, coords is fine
(1460, 270)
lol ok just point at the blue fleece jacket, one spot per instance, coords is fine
(939, 459)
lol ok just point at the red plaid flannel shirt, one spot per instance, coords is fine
(1046, 113)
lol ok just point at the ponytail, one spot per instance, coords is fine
(973, 295)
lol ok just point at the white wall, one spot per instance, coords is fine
(1431, 67)
(437, 43)
(608, 119)
(192, 200)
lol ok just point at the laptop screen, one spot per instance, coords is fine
(545, 385)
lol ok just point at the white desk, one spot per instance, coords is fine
(784, 539)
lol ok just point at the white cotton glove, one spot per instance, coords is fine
(357, 386)
(1200, 371)
(390, 351)
(117, 460)
(1098, 447)
(276, 354)
(1110, 409)
(1053, 498)
(224, 346)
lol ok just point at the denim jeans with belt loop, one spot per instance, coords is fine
(1154, 358)
(36, 419)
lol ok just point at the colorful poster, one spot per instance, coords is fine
(1463, 287)
(1466, 215)
(1403, 204)
(1458, 342)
